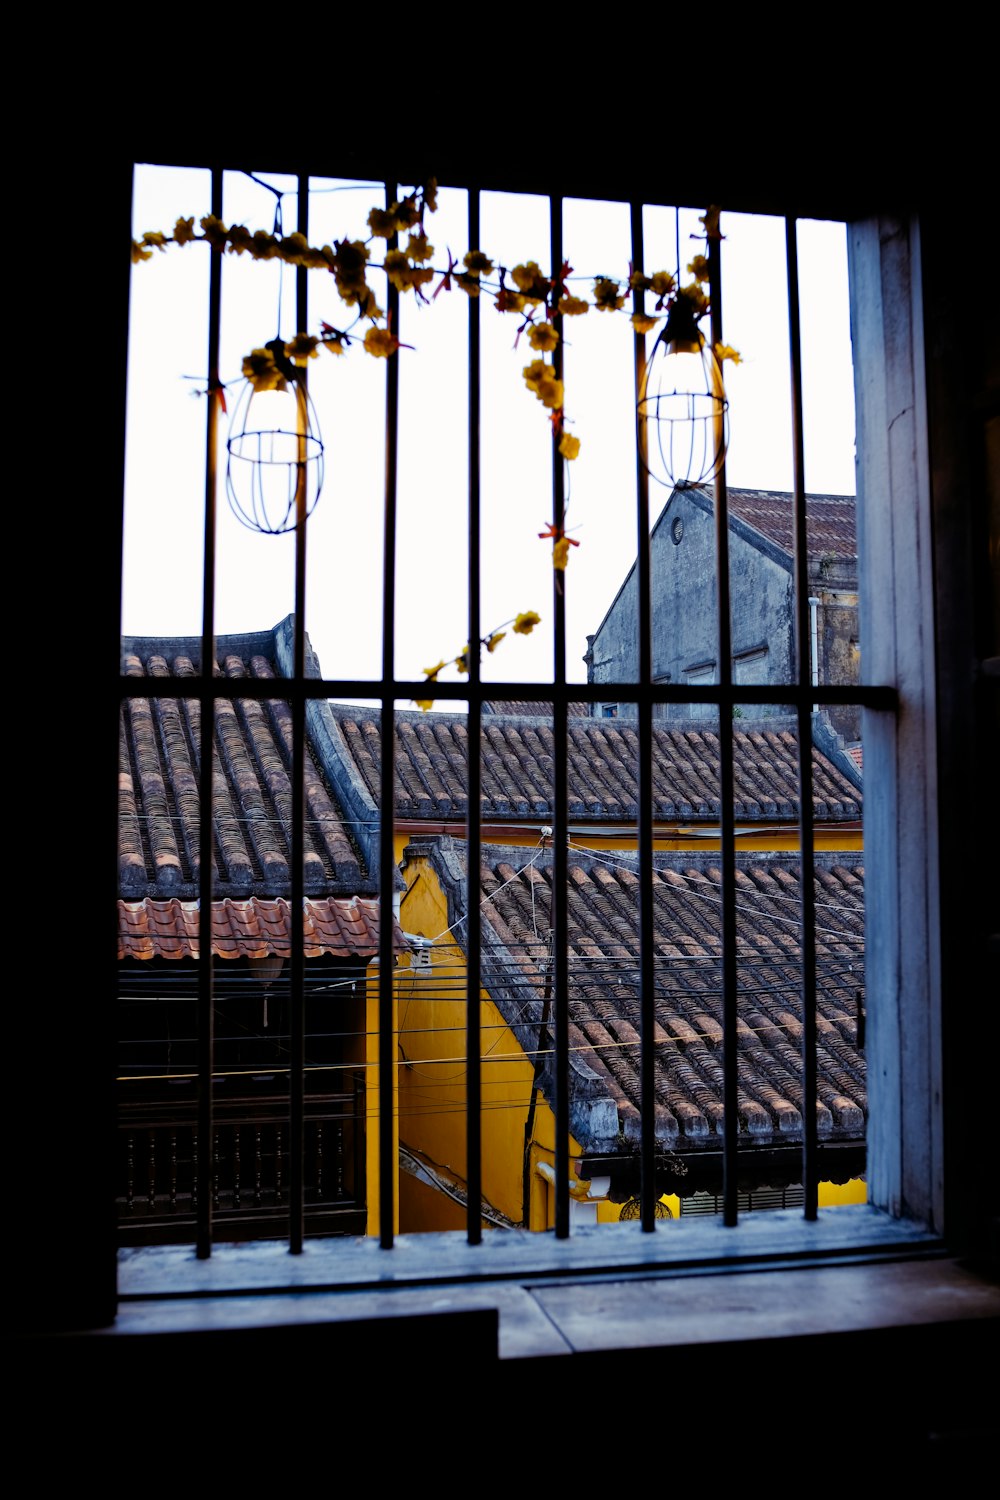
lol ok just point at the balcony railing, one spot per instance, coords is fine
(159, 1186)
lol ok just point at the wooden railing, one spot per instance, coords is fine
(158, 1187)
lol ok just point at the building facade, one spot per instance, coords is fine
(684, 602)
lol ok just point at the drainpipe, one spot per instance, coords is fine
(814, 604)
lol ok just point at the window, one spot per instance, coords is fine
(900, 753)
(702, 675)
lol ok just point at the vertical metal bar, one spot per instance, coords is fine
(727, 842)
(387, 854)
(473, 1124)
(806, 842)
(206, 1019)
(647, 994)
(560, 870)
(297, 976)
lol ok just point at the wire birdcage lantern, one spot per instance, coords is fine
(275, 467)
(682, 409)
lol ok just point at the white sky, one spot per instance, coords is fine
(166, 423)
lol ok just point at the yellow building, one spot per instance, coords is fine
(518, 1162)
(518, 1135)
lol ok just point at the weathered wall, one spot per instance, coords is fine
(685, 634)
(684, 606)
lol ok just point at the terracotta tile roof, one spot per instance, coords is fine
(431, 755)
(830, 520)
(855, 752)
(159, 804)
(604, 988)
(253, 928)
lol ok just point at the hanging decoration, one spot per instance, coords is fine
(683, 410)
(274, 473)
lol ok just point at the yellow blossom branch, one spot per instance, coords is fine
(536, 298)
(522, 624)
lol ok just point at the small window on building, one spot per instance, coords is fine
(751, 666)
(697, 677)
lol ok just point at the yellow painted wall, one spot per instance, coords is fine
(827, 837)
(365, 1053)
(432, 1072)
(833, 1194)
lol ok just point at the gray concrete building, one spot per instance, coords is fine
(685, 635)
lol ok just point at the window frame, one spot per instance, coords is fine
(907, 1182)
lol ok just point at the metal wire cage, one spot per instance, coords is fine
(275, 466)
(683, 410)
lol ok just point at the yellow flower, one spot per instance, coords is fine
(417, 247)
(315, 258)
(462, 661)
(367, 305)
(550, 393)
(264, 247)
(381, 343)
(699, 268)
(477, 264)
(543, 336)
(606, 296)
(431, 673)
(262, 372)
(406, 214)
(396, 267)
(430, 194)
(530, 282)
(508, 301)
(214, 231)
(294, 248)
(696, 297)
(402, 275)
(526, 622)
(726, 351)
(138, 253)
(573, 307)
(184, 231)
(349, 259)
(640, 283)
(334, 344)
(536, 372)
(424, 703)
(467, 282)
(663, 283)
(643, 323)
(560, 554)
(494, 640)
(240, 240)
(710, 222)
(569, 446)
(382, 222)
(302, 348)
(155, 239)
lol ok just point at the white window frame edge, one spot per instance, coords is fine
(896, 587)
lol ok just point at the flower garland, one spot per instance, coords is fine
(536, 299)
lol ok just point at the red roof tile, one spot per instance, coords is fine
(253, 928)
(831, 528)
